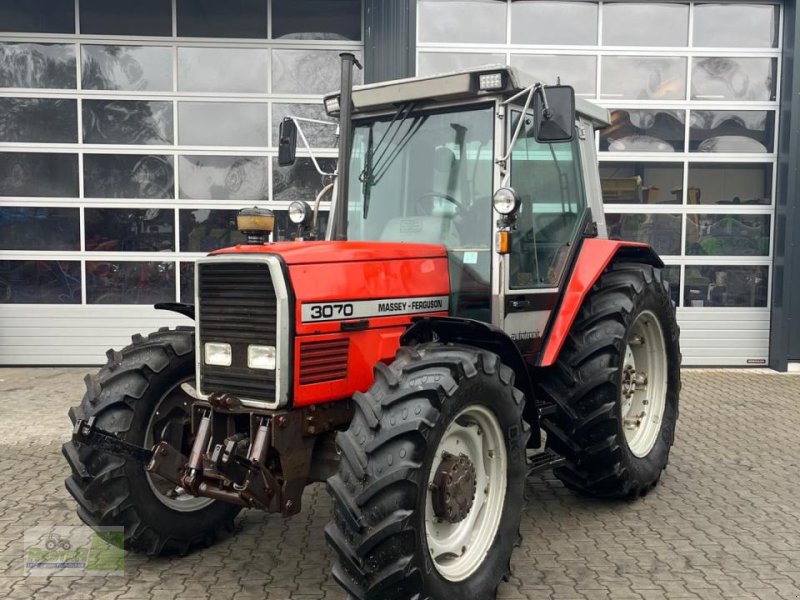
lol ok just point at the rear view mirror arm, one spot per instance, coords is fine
(308, 146)
(530, 91)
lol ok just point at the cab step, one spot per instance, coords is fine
(544, 461)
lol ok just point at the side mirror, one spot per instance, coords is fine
(287, 142)
(554, 114)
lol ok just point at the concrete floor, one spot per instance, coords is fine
(724, 523)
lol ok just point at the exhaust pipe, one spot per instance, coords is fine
(345, 144)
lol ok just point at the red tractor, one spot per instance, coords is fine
(462, 323)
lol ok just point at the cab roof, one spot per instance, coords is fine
(446, 87)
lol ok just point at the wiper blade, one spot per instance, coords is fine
(366, 174)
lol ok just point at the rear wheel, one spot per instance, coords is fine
(428, 497)
(615, 386)
(144, 396)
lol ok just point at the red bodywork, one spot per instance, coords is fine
(352, 271)
(384, 270)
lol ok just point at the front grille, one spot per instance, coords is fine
(237, 305)
(321, 362)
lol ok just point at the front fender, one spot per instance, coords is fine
(487, 337)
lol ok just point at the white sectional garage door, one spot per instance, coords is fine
(688, 164)
(130, 133)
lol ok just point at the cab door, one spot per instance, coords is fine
(552, 218)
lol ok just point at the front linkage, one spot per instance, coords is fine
(257, 460)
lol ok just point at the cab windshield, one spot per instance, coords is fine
(424, 177)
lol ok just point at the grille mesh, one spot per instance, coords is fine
(237, 305)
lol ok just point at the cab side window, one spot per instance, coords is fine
(548, 179)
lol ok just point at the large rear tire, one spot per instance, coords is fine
(429, 493)
(140, 396)
(615, 386)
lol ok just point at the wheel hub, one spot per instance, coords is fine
(453, 489)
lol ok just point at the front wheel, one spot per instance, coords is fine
(615, 386)
(429, 493)
(143, 396)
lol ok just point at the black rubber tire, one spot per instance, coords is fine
(380, 490)
(584, 385)
(113, 491)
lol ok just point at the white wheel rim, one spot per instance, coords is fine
(458, 549)
(169, 495)
(643, 389)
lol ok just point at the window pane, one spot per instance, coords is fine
(133, 68)
(127, 122)
(431, 63)
(39, 228)
(38, 120)
(228, 70)
(732, 131)
(723, 78)
(187, 282)
(648, 24)
(662, 232)
(308, 71)
(231, 19)
(643, 77)
(286, 231)
(548, 179)
(38, 174)
(204, 230)
(37, 66)
(224, 177)
(318, 136)
(727, 235)
(127, 176)
(730, 183)
(316, 19)
(223, 124)
(129, 229)
(553, 23)
(641, 182)
(470, 21)
(300, 181)
(126, 17)
(644, 131)
(38, 16)
(578, 71)
(671, 276)
(40, 282)
(725, 285)
(123, 282)
(736, 25)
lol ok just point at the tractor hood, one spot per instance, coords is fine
(324, 252)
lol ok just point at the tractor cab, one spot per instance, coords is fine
(490, 163)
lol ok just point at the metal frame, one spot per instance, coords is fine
(175, 97)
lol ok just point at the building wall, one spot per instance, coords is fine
(689, 162)
(130, 133)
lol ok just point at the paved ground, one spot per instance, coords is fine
(725, 523)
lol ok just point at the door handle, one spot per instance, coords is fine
(519, 304)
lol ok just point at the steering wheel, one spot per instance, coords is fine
(430, 195)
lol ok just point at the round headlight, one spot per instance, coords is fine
(506, 201)
(299, 212)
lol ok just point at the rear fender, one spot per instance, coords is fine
(593, 258)
(487, 337)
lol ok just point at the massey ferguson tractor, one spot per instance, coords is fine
(462, 323)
